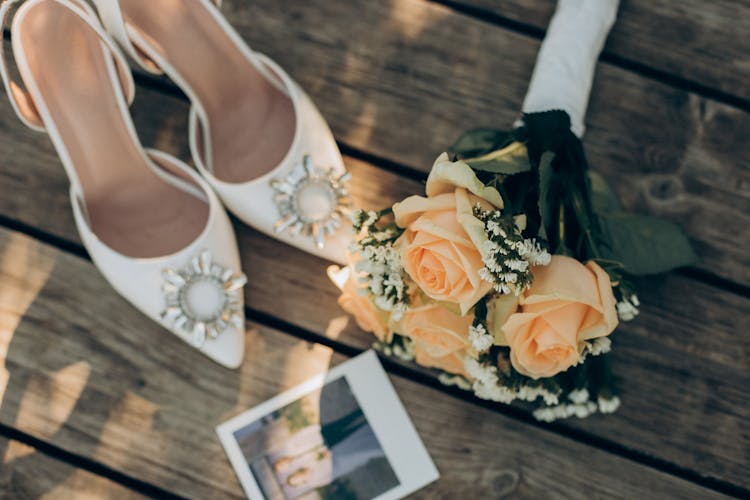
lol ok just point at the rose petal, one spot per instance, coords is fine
(542, 352)
(367, 316)
(607, 299)
(411, 208)
(430, 272)
(516, 325)
(437, 229)
(444, 219)
(446, 176)
(438, 253)
(566, 321)
(451, 363)
(482, 290)
(440, 330)
(473, 227)
(564, 278)
(499, 309)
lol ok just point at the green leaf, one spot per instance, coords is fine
(480, 141)
(512, 159)
(603, 197)
(645, 244)
(547, 197)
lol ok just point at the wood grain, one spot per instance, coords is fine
(681, 364)
(91, 375)
(26, 473)
(403, 79)
(405, 94)
(704, 42)
(416, 75)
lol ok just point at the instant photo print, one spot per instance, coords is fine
(343, 434)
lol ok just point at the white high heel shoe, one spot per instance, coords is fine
(254, 134)
(152, 226)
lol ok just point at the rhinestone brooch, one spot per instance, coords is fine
(311, 201)
(202, 298)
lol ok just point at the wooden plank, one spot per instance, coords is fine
(88, 373)
(680, 340)
(706, 43)
(667, 152)
(403, 79)
(26, 473)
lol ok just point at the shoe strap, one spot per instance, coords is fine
(20, 98)
(128, 36)
(199, 126)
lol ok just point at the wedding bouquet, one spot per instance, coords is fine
(510, 275)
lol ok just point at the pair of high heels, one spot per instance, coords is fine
(154, 227)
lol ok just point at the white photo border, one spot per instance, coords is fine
(385, 413)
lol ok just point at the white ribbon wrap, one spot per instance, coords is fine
(567, 58)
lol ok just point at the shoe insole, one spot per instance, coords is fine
(130, 208)
(251, 122)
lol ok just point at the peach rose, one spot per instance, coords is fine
(369, 317)
(451, 363)
(567, 304)
(440, 336)
(441, 249)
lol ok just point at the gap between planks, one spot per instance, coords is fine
(694, 149)
(393, 367)
(487, 15)
(676, 445)
(420, 74)
(151, 403)
(397, 166)
(666, 363)
(647, 71)
(76, 461)
(608, 57)
(164, 86)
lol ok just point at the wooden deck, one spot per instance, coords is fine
(97, 400)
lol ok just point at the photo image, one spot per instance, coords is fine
(319, 446)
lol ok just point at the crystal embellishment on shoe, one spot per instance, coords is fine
(203, 298)
(311, 201)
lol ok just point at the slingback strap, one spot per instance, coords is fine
(127, 36)
(20, 98)
(198, 127)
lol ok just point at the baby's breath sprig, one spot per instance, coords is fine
(399, 346)
(627, 307)
(490, 382)
(379, 265)
(480, 339)
(595, 347)
(362, 219)
(626, 299)
(508, 256)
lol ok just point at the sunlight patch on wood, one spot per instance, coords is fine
(25, 266)
(336, 326)
(304, 361)
(362, 129)
(131, 424)
(57, 394)
(80, 485)
(255, 346)
(293, 365)
(413, 18)
(16, 450)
